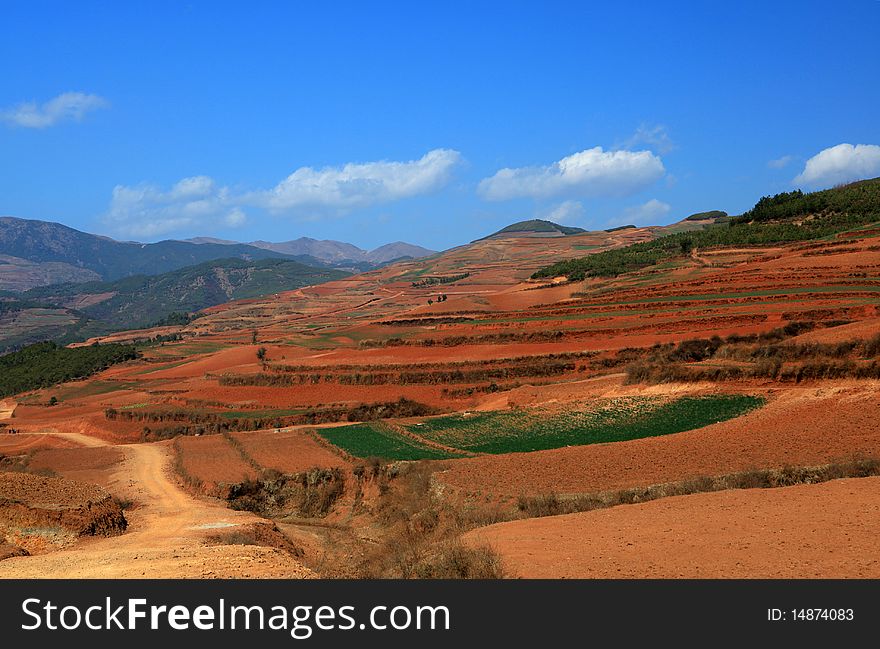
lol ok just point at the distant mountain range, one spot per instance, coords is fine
(65, 285)
(335, 252)
(38, 253)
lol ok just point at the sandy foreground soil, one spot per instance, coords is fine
(828, 530)
(165, 538)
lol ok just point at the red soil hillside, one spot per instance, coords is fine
(825, 531)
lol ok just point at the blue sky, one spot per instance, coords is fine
(434, 123)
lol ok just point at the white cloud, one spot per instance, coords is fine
(148, 211)
(780, 163)
(565, 212)
(655, 137)
(69, 106)
(361, 184)
(645, 214)
(593, 172)
(235, 218)
(840, 164)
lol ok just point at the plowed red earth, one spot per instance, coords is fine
(23, 443)
(46, 492)
(288, 451)
(86, 464)
(827, 530)
(213, 460)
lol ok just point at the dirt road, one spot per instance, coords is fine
(166, 535)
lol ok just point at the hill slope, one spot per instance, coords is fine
(534, 227)
(69, 312)
(786, 217)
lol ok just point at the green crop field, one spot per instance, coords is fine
(377, 440)
(614, 421)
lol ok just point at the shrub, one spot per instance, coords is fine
(454, 560)
(310, 494)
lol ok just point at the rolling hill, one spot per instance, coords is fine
(783, 218)
(535, 228)
(71, 312)
(38, 253)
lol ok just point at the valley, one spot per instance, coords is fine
(494, 410)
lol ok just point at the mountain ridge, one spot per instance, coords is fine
(330, 250)
(35, 253)
(43, 242)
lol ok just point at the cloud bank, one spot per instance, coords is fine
(593, 172)
(840, 164)
(67, 107)
(362, 184)
(149, 211)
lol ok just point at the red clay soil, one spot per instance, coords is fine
(39, 513)
(321, 394)
(288, 451)
(24, 443)
(827, 530)
(213, 460)
(84, 463)
(8, 550)
(166, 535)
(862, 330)
(724, 292)
(801, 426)
(41, 491)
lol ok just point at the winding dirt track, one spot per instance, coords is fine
(166, 535)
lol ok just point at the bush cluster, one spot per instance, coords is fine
(44, 364)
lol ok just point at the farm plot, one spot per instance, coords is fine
(288, 451)
(614, 420)
(377, 440)
(210, 460)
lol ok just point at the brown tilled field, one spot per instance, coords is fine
(212, 461)
(287, 451)
(823, 531)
